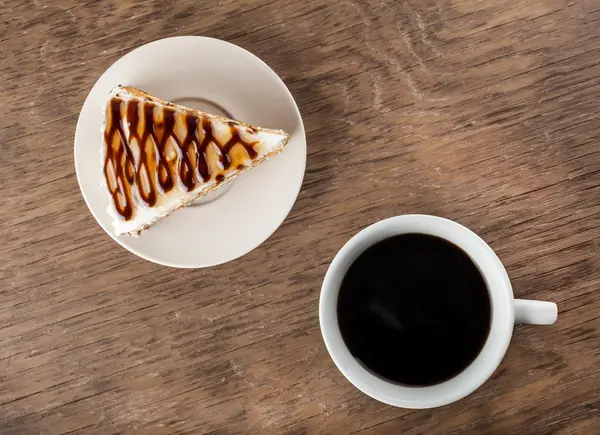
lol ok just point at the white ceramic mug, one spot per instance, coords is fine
(506, 311)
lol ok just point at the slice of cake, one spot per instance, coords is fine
(160, 156)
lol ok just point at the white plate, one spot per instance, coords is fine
(215, 76)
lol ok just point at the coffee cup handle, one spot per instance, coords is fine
(535, 312)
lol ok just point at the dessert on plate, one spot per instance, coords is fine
(159, 156)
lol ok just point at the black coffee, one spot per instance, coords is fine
(414, 309)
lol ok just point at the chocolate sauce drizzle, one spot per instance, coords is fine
(191, 167)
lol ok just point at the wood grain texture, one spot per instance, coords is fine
(485, 112)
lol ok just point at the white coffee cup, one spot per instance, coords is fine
(506, 311)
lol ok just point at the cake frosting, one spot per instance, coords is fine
(158, 156)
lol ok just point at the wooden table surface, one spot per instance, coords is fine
(482, 111)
